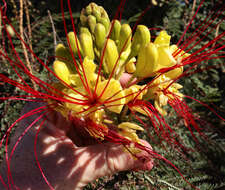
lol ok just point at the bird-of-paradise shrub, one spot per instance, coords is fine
(89, 69)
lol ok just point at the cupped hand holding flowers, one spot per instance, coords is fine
(60, 164)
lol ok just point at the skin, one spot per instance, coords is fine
(65, 165)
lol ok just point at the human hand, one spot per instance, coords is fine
(64, 165)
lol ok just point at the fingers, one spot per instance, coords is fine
(120, 160)
(106, 159)
(144, 161)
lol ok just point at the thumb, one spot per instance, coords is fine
(107, 159)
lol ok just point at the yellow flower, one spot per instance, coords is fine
(161, 90)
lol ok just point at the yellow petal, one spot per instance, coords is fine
(128, 126)
(89, 68)
(130, 66)
(129, 136)
(159, 108)
(75, 80)
(163, 39)
(147, 61)
(174, 73)
(111, 93)
(166, 58)
(76, 107)
(62, 71)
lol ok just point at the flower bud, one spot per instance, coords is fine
(97, 13)
(91, 22)
(87, 45)
(100, 35)
(105, 22)
(115, 30)
(141, 38)
(94, 14)
(125, 37)
(130, 66)
(63, 54)
(110, 54)
(147, 61)
(62, 71)
(84, 30)
(74, 42)
(88, 9)
(103, 12)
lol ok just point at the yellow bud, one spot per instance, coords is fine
(141, 110)
(110, 56)
(177, 86)
(97, 13)
(100, 34)
(105, 22)
(74, 42)
(85, 30)
(125, 37)
(63, 54)
(141, 38)
(147, 61)
(137, 90)
(162, 99)
(91, 22)
(62, 71)
(88, 9)
(115, 30)
(130, 66)
(87, 45)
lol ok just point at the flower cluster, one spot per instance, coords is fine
(106, 52)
